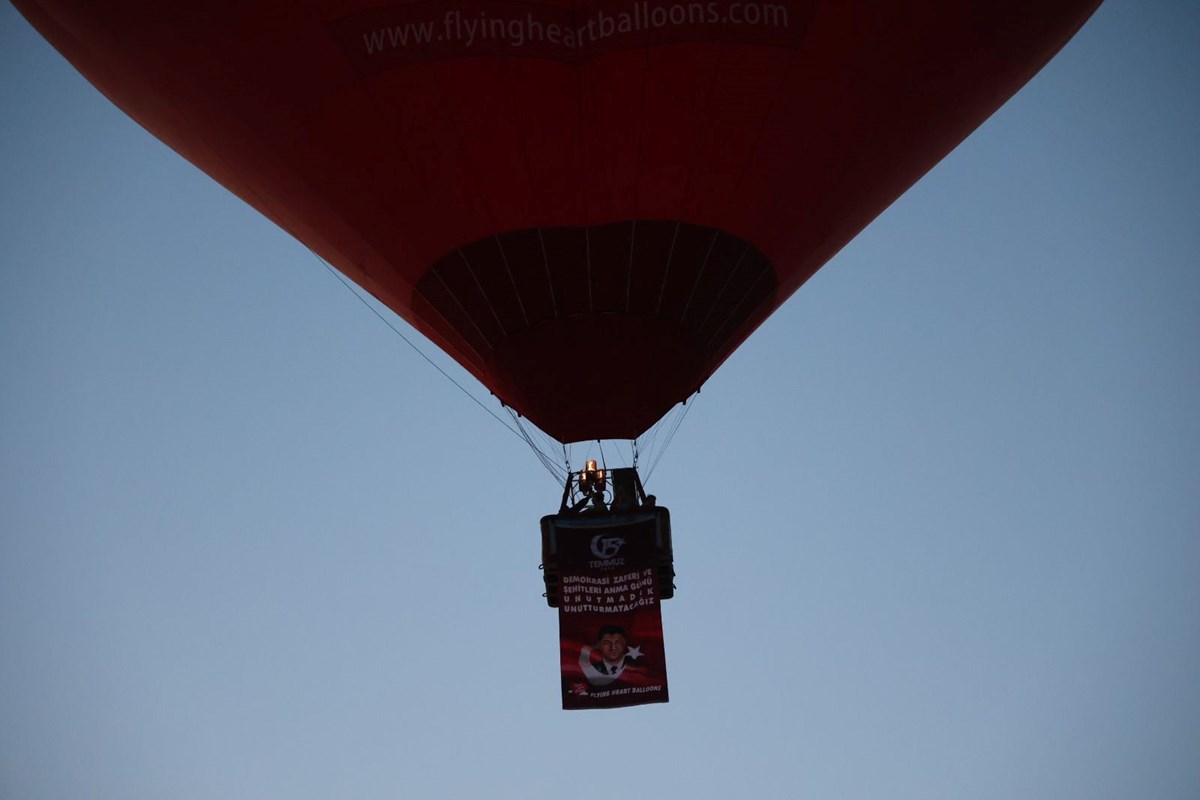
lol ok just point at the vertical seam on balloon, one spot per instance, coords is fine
(463, 155)
(724, 286)
(753, 149)
(549, 280)
(580, 72)
(587, 249)
(386, 123)
(734, 310)
(666, 270)
(512, 280)
(629, 272)
(699, 275)
(480, 358)
(521, 139)
(482, 293)
(463, 309)
(704, 114)
(637, 166)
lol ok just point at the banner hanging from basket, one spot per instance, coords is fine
(609, 618)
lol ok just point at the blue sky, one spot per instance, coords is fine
(937, 523)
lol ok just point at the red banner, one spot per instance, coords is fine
(610, 625)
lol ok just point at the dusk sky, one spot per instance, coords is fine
(937, 523)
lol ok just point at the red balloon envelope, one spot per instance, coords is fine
(589, 205)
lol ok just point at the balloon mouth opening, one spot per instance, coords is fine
(633, 371)
(595, 332)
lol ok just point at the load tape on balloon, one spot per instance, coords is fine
(609, 618)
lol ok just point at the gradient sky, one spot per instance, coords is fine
(937, 524)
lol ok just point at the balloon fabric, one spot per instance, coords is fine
(589, 205)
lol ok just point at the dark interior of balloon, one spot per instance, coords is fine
(628, 313)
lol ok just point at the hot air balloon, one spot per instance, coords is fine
(589, 204)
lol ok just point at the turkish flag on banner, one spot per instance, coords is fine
(609, 620)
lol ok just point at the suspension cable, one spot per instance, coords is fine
(555, 471)
(519, 429)
(408, 342)
(687, 406)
